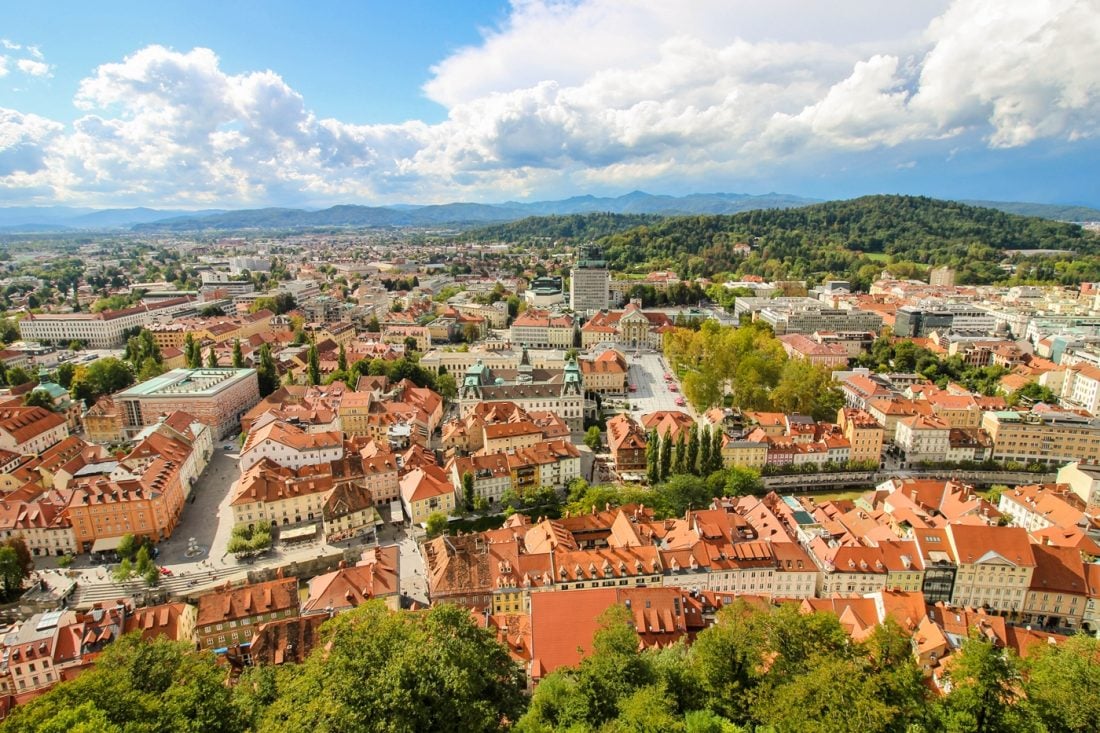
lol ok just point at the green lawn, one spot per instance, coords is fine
(877, 256)
(833, 495)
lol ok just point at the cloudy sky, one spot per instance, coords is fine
(249, 103)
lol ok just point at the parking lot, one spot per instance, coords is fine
(646, 373)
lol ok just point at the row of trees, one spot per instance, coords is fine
(670, 498)
(700, 454)
(746, 367)
(758, 668)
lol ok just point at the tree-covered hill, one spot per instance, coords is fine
(576, 227)
(854, 239)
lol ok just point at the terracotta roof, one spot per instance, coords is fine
(25, 423)
(154, 621)
(237, 603)
(563, 624)
(973, 543)
(376, 576)
(267, 481)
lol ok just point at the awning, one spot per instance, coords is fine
(397, 514)
(106, 544)
(299, 533)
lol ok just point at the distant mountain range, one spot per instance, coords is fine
(62, 219)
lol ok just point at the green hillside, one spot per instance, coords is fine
(834, 239)
(579, 227)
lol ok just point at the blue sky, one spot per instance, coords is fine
(234, 104)
(362, 62)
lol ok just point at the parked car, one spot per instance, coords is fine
(167, 572)
(680, 401)
(673, 388)
(633, 388)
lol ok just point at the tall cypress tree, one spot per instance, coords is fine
(666, 456)
(691, 463)
(314, 365)
(266, 372)
(342, 361)
(192, 351)
(679, 459)
(704, 451)
(716, 450)
(212, 358)
(653, 458)
(238, 356)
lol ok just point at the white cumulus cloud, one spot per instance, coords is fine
(567, 95)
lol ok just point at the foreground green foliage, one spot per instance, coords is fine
(762, 669)
(777, 670)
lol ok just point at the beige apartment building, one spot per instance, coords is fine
(1053, 438)
(995, 567)
(863, 432)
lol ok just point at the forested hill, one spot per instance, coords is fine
(579, 227)
(855, 239)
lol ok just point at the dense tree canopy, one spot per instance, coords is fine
(746, 367)
(759, 668)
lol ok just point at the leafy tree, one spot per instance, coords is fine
(436, 524)
(11, 572)
(151, 576)
(124, 571)
(38, 398)
(471, 332)
(985, 690)
(593, 439)
(375, 669)
(1062, 680)
(102, 376)
(742, 481)
(447, 387)
(127, 546)
(247, 541)
(143, 562)
(16, 376)
(1031, 393)
(149, 369)
(65, 372)
(137, 685)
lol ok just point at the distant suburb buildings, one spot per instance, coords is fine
(104, 330)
